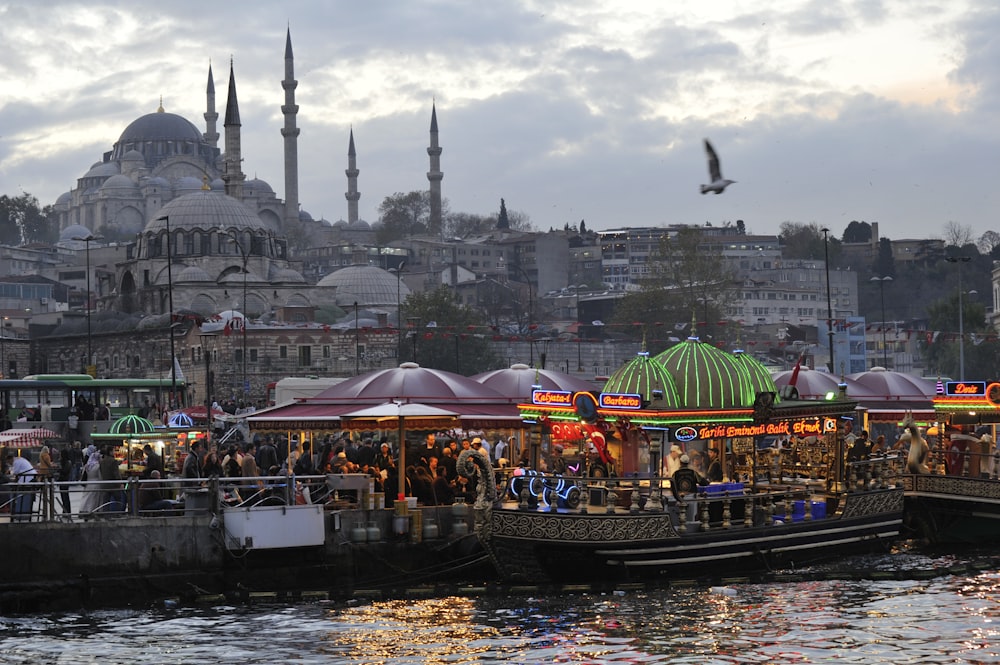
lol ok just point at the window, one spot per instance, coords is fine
(254, 355)
(283, 352)
(305, 356)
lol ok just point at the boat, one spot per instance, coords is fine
(957, 499)
(789, 497)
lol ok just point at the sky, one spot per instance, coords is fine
(823, 112)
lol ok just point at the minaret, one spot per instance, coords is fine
(352, 195)
(211, 131)
(435, 175)
(232, 175)
(291, 134)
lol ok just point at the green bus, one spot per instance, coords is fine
(25, 397)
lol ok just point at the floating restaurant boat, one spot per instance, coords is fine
(788, 496)
(958, 499)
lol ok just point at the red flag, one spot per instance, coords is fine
(795, 372)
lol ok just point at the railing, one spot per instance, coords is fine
(47, 500)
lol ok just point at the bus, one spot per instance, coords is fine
(292, 387)
(126, 396)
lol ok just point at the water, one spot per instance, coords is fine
(947, 619)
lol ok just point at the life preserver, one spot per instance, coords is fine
(684, 481)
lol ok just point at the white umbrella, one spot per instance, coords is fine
(400, 413)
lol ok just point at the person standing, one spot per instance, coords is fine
(714, 471)
(92, 497)
(65, 477)
(115, 495)
(24, 472)
(674, 460)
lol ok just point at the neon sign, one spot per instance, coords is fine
(552, 397)
(620, 401)
(965, 388)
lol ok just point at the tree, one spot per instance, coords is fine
(884, 264)
(686, 281)
(857, 232)
(988, 242)
(958, 234)
(806, 241)
(447, 335)
(465, 225)
(22, 221)
(741, 227)
(402, 215)
(502, 222)
(980, 347)
(583, 227)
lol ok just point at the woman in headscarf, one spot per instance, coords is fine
(45, 463)
(93, 494)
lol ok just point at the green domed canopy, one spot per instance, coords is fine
(642, 375)
(760, 377)
(706, 377)
(131, 425)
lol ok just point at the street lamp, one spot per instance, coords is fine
(829, 301)
(357, 342)
(881, 289)
(86, 239)
(399, 270)
(244, 253)
(170, 302)
(3, 347)
(412, 322)
(579, 336)
(961, 315)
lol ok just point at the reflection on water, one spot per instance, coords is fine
(942, 620)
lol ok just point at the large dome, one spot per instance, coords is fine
(707, 377)
(205, 210)
(367, 285)
(160, 127)
(644, 376)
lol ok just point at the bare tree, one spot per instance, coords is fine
(957, 234)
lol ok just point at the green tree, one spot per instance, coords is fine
(686, 281)
(502, 221)
(982, 354)
(444, 334)
(402, 215)
(857, 232)
(465, 225)
(807, 241)
(884, 264)
(23, 221)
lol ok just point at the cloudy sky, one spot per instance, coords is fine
(877, 110)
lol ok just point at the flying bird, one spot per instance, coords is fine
(718, 184)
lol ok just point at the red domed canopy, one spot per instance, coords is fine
(812, 384)
(518, 380)
(412, 383)
(895, 386)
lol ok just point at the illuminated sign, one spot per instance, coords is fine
(552, 397)
(620, 401)
(733, 430)
(965, 388)
(684, 434)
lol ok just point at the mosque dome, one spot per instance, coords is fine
(160, 127)
(204, 210)
(65, 198)
(305, 216)
(707, 377)
(339, 224)
(359, 225)
(157, 181)
(257, 187)
(368, 285)
(193, 274)
(286, 275)
(102, 170)
(188, 183)
(73, 231)
(644, 376)
(133, 156)
(218, 185)
(119, 185)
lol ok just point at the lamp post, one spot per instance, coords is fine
(87, 240)
(829, 301)
(881, 289)
(399, 309)
(357, 342)
(961, 315)
(3, 347)
(412, 322)
(579, 336)
(170, 303)
(244, 253)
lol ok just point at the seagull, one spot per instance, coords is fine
(718, 184)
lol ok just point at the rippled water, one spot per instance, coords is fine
(948, 619)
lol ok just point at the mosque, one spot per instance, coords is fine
(202, 237)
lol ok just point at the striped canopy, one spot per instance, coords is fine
(26, 438)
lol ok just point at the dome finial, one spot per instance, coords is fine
(160, 108)
(204, 184)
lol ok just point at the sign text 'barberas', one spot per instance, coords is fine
(620, 401)
(552, 397)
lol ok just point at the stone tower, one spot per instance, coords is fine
(291, 134)
(211, 131)
(232, 174)
(352, 195)
(435, 175)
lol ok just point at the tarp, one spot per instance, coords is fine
(26, 438)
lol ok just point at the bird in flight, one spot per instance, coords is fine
(718, 183)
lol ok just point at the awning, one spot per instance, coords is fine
(26, 438)
(312, 416)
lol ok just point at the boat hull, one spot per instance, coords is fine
(944, 509)
(533, 546)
